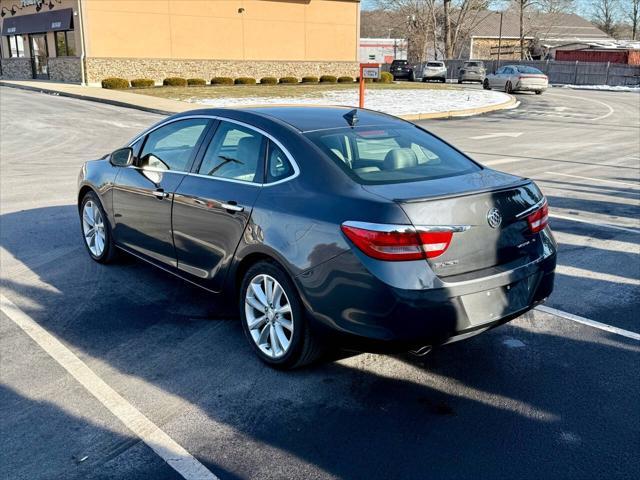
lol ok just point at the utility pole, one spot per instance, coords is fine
(500, 40)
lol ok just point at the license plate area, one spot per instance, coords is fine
(494, 304)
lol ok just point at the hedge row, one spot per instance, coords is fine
(122, 83)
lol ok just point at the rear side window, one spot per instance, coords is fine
(235, 153)
(170, 147)
(373, 155)
(278, 165)
(531, 70)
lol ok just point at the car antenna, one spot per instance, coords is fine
(352, 117)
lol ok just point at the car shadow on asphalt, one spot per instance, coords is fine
(511, 403)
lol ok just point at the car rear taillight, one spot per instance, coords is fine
(539, 219)
(397, 243)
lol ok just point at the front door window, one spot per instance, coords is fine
(39, 56)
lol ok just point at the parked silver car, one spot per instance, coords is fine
(472, 71)
(434, 70)
(517, 78)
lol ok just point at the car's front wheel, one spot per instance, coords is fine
(485, 84)
(273, 318)
(95, 229)
(508, 88)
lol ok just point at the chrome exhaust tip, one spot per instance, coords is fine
(422, 351)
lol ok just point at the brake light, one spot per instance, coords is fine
(401, 243)
(539, 219)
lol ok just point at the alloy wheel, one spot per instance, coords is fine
(93, 228)
(269, 316)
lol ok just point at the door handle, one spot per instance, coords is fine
(232, 207)
(160, 194)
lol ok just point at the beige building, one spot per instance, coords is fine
(88, 40)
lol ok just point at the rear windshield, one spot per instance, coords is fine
(434, 64)
(372, 155)
(473, 64)
(399, 62)
(525, 69)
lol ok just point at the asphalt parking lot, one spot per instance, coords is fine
(541, 397)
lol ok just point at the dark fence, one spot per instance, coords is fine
(572, 73)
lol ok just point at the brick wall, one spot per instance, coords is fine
(482, 48)
(158, 69)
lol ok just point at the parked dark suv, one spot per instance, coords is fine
(400, 69)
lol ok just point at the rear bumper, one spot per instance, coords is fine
(530, 87)
(469, 76)
(343, 297)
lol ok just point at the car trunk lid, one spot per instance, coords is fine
(469, 200)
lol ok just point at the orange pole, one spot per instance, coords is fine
(361, 88)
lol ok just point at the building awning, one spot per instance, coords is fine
(39, 22)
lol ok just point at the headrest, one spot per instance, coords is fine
(248, 149)
(400, 158)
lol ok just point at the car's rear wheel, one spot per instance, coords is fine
(95, 229)
(443, 80)
(273, 318)
(459, 80)
(508, 88)
(485, 84)
(538, 92)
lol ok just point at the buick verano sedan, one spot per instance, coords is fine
(327, 226)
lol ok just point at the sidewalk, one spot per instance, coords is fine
(147, 103)
(119, 98)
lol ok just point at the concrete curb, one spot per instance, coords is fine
(410, 117)
(88, 98)
(462, 113)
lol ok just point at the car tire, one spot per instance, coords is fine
(538, 92)
(96, 230)
(280, 335)
(443, 80)
(508, 88)
(485, 84)
(459, 81)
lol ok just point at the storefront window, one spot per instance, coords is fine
(16, 45)
(65, 44)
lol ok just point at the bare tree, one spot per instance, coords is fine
(634, 17)
(523, 7)
(419, 24)
(467, 15)
(604, 14)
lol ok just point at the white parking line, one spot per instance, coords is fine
(590, 323)
(595, 179)
(172, 453)
(593, 222)
(500, 161)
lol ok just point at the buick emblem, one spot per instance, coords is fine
(494, 218)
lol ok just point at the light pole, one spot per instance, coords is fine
(500, 40)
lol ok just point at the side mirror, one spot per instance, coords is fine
(123, 157)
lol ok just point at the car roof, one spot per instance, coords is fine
(302, 118)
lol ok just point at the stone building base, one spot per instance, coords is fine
(65, 69)
(159, 69)
(16, 69)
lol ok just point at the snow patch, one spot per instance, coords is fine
(394, 102)
(606, 88)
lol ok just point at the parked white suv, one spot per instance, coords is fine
(434, 70)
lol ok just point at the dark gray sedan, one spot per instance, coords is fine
(327, 226)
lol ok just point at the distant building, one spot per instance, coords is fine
(619, 51)
(542, 32)
(75, 40)
(382, 50)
